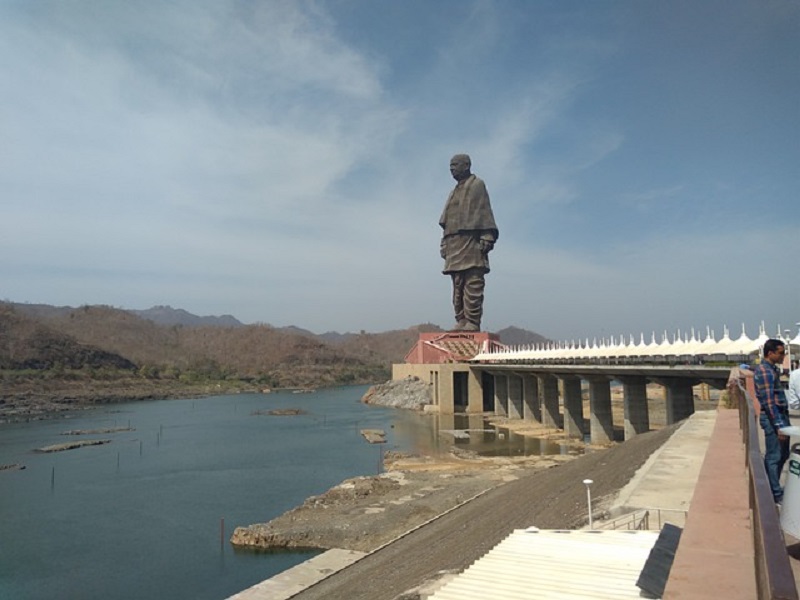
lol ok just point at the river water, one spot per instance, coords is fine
(149, 515)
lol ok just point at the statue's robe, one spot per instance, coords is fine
(467, 218)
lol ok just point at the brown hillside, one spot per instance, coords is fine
(273, 357)
(42, 336)
(388, 347)
(27, 344)
(53, 359)
(248, 350)
(115, 330)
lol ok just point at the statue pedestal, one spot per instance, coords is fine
(450, 346)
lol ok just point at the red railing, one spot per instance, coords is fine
(774, 577)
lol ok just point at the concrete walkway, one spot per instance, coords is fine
(292, 581)
(665, 484)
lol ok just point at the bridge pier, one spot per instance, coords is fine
(680, 399)
(515, 408)
(530, 393)
(573, 406)
(601, 418)
(501, 395)
(637, 415)
(548, 387)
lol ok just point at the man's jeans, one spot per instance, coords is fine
(776, 452)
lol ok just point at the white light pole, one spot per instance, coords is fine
(587, 483)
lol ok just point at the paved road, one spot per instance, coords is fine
(555, 498)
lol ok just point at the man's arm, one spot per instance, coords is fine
(793, 393)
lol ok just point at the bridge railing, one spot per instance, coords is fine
(774, 577)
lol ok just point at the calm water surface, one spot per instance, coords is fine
(150, 514)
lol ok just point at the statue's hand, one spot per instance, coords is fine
(443, 250)
(486, 246)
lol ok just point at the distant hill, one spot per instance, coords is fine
(389, 346)
(40, 310)
(30, 344)
(334, 337)
(297, 331)
(166, 315)
(514, 336)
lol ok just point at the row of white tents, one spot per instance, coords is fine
(691, 347)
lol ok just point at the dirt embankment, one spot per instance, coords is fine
(365, 513)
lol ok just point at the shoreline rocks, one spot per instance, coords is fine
(280, 412)
(72, 445)
(361, 513)
(96, 431)
(409, 393)
(12, 467)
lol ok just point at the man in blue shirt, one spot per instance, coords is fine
(774, 413)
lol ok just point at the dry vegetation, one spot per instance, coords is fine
(52, 358)
(99, 353)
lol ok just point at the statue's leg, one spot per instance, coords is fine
(474, 284)
(458, 297)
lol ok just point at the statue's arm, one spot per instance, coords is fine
(487, 241)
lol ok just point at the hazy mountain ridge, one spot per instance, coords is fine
(166, 315)
(514, 336)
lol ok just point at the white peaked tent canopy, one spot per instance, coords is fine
(683, 346)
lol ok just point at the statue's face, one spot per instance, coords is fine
(459, 168)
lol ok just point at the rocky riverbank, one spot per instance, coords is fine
(363, 513)
(409, 393)
(46, 399)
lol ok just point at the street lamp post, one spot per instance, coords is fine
(587, 483)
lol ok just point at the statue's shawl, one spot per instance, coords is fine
(468, 209)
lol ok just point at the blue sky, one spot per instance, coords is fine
(287, 162)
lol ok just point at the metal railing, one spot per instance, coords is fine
(644, 519)
(774, 577)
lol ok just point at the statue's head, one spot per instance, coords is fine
(460, 166)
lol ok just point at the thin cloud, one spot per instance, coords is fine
(288, 162)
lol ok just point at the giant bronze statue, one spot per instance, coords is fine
(469, 234)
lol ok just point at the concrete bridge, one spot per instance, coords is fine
(553, 394)
(474, 373)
